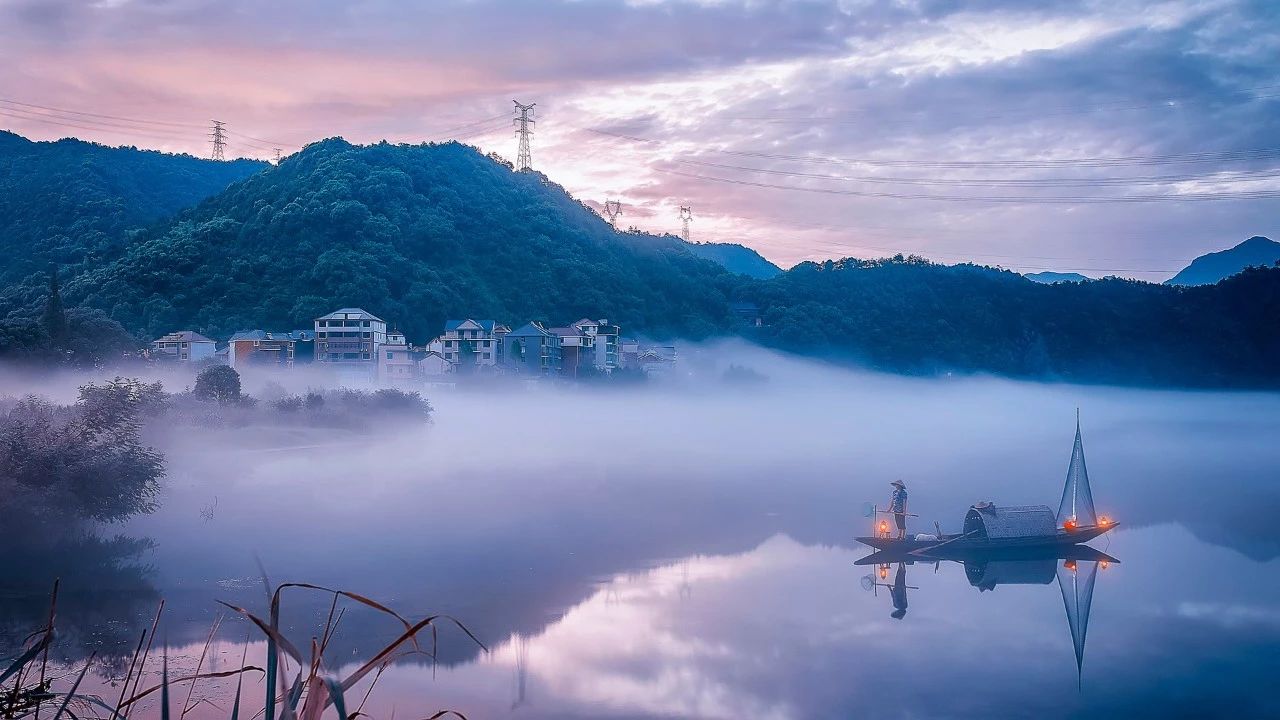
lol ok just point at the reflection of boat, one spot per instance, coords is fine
(1075, 567)
(991, 527)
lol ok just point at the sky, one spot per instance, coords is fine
(1110, 137)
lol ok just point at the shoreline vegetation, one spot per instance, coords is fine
(62, 465)
(298, 684)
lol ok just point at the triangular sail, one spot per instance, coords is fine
(1076, 579)
(1077, 497)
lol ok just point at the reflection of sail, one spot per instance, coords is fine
(1075, 579)
(1077, 498)
(522, 671)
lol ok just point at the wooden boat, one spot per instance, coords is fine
(991, 527)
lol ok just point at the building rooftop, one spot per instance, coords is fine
(267, 335)
(486, 325)
(350, 314)
(532, 329)
(189, 336)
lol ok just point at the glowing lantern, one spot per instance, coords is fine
(1104, 521)
(1105, 564)
(884, 571)
(884, 527)
(1070, 565)
(1069, 525)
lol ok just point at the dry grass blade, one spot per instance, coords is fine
(124, 686)
(389, 650)
(74, 686)
(204, 652)
(146, 653)
(271, 632)
(235, 706)
(362, 599)
(189, 678)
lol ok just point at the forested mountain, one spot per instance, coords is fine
(1209, 269)
(909, 315)
(415, 234)
(421, 233)
(736, 259)
(71, 202)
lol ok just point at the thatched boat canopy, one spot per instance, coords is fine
(986, 521)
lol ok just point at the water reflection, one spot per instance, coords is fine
(1075, 568)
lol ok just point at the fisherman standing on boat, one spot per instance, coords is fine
(898, 506)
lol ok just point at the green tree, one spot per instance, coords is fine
(218, 382)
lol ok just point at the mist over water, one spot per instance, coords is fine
(686, 548)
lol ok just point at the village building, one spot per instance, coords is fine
(605, 343)
(397, 364)
(350, 336)
(471, 344)
(258, 348)
(577, 349)
(183, 346)
(532, 350)
(433, 364)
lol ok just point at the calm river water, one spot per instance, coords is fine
(654, 554)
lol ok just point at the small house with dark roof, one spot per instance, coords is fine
(261, 348)
(183, 346)
(531, 349)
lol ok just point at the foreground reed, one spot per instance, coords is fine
(299, 686)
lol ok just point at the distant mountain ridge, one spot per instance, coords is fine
(1050, 277)
(1208, 269)
(736, 259)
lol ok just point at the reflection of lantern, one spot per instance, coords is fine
(1070, 565)
(884, 571)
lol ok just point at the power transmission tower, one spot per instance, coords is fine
(686, 216)
(612, 209)
(219, 140)
(524, 130)
(277, 155)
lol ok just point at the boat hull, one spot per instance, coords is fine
(956, 543)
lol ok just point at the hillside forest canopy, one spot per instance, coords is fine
(421, 233)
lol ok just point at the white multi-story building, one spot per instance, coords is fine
(396, 362)
(472, 343)
(350, 336)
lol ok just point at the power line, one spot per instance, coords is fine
(1165, 159)
(99, 115)
(1152, 180)
(524, 155)
(1052, 200)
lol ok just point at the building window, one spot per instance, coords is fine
(364, 356)
(365, 335)
(390, 356)
(364, 323)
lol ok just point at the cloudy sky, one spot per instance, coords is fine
(1109, 137)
